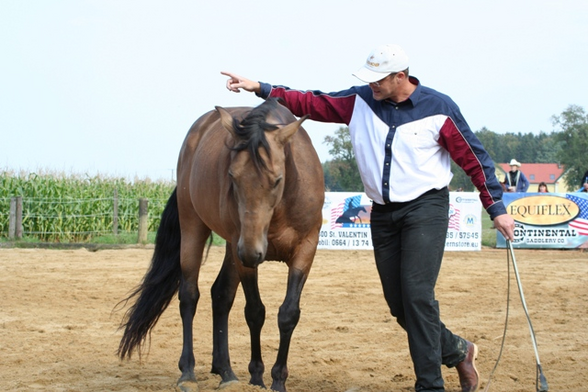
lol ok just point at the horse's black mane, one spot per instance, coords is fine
(251, 131)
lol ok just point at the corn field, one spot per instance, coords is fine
(73, 208)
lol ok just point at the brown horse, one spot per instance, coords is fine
(253, 177)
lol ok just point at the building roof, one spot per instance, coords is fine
(548, 173)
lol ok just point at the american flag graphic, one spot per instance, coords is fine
(336, 213)
(581, 221)
(453, 218)
(339, 209)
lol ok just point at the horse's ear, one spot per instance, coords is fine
(226, 119)
(285, 133)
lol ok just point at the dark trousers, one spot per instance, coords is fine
(408, 240)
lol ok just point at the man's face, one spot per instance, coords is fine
(384, 88)
(514, 168)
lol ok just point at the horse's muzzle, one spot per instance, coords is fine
(251, 256)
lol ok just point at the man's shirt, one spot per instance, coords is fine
(402, 149)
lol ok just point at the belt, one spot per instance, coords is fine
(393, 205)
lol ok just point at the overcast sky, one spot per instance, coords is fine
(111, 87)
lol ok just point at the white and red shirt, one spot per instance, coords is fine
(402, 149)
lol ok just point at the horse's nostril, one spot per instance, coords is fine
(250, 259)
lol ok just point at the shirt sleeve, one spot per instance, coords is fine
(467, 151)
(525, 182)
(336, 107)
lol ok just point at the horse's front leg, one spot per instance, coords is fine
(189, 296)
(255, 317)
(223, 294)
(288, 317)
(190, 259)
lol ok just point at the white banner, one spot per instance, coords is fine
(346, 222)
(465, 222)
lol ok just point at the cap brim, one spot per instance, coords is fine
(369, 76)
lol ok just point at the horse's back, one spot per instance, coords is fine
(208, 128)
(207, 138)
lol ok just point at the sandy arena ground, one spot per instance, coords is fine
(57, 332)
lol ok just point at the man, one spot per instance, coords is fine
(515, 180)
(404, 135)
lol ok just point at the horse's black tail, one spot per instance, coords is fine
(160, 284)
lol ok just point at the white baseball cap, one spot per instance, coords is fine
(514, 162)
(381, 62)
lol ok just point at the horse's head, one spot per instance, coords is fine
(258, 172)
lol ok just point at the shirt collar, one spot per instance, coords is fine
(416, 94)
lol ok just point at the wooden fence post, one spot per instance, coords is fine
(18, 220)
(12, 219)
(115, 213)
(143, 220)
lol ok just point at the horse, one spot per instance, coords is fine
(251, 176)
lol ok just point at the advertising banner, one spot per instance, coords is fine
(465, 222)
(346, 222)
(547, 220)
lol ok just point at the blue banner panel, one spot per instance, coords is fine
(547, 220)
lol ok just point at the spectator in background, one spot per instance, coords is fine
(515, 180)
(584, 185)
(542, 188)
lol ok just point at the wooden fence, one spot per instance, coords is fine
(16, 214)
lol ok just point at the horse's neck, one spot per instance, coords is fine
(291, 166)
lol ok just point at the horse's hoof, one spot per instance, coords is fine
(279, 387)
(188, 386)
(225, 384)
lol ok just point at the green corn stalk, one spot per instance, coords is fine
(77, 208)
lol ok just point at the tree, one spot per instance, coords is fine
(492, 143)
(460, 179)
(341, 173)
(574, 138)
(547, 149)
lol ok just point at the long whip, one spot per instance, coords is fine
(540, 381)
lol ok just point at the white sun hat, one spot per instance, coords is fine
(381, 62)
(514, 162)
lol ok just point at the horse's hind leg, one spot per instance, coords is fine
(255, 317)
(223, 294)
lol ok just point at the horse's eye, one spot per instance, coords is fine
(277, 182)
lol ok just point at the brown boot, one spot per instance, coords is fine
(469, 378)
